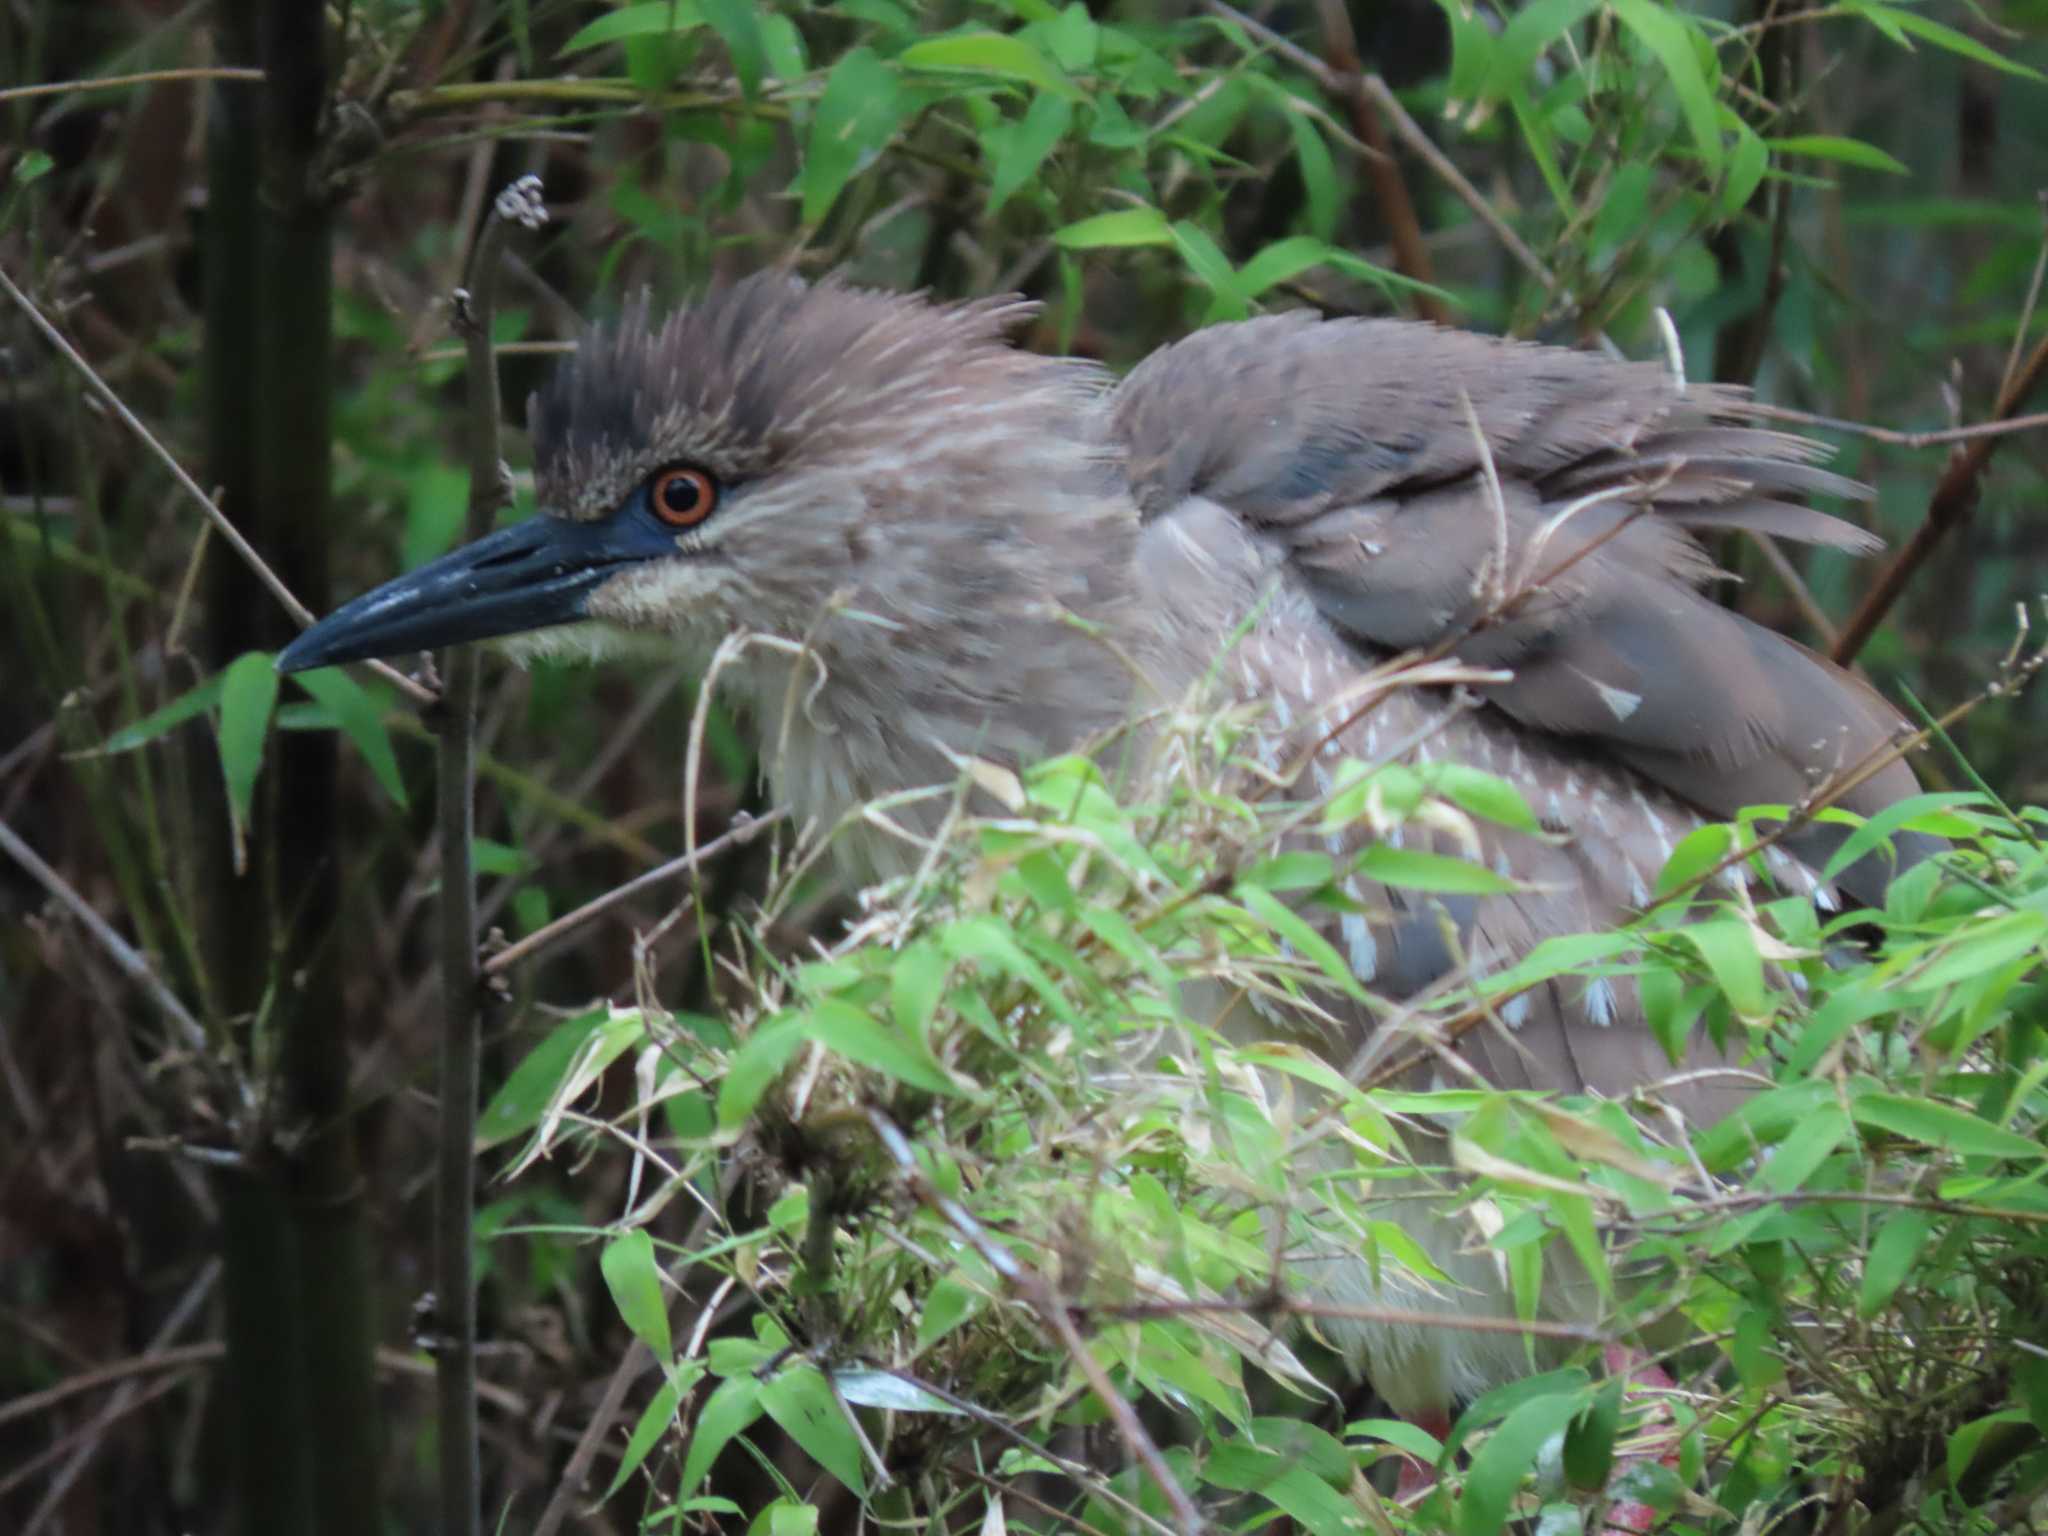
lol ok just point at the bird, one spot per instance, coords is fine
(942, 545)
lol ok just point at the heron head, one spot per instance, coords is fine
(779, 458)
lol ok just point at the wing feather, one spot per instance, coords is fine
(1347, 446)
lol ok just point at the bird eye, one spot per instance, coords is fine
(683, 497)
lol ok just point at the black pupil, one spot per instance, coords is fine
(680, 495)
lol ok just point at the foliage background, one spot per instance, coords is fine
(1836, 203)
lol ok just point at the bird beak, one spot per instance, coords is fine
(530, 576)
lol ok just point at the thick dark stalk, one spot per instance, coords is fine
(300, 1327)
(455, 1178)
(461, 994)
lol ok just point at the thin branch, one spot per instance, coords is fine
(300, 613)
(1411, 255)
(461, 996)
(1406, 129)
(638, 1361)
(1053, 1314)
(1953, 501)
(1263, 1307)
(738, 835)
(1893, 435)
(124, 955)
(1802, 595)
(109, 82)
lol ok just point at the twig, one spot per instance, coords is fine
(1406, 129)
(108, 82)
(1399, 1317)
(1411, 256)
(639, 1359)
(300, 613)
(461, 996)
(124, 1398)
(741, 833)
(1954, 499)
(124, 955)
(1802, 595)
(1052, 1312)
(177, 1357)
(1893, 435)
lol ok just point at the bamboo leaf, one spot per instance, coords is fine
(634, 1279)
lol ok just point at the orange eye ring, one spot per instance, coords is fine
(682, 496)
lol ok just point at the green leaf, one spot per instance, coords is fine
(1318, 176)
(985, 939)
(851, 1032)
(1280, 262)
(1127, 226)
(653, 1423)
(1938, 1125)
(990, 53)
(578, 1049)
(1297, 870)
(782, 47)
(1485, 795)
(634, 1279)
(1285, 1482)
(1761, 1121)
(1210, 266)
(1501, 1463)
(862, 106)
(1697, 852)
(1892, 21)
(33, 165)
(1981, 948)
(917, 980)
(194, 701)
(732, 1406)
(1962, 1445)
(1016, 156)
(1403, 1436)
(1287, 924)
(248, 695)
(1414, 869)
(737, 23)
(754, 1067)
(953, 1300)
(1886, 822)
(1891, 1258)
(1826, 146)
(1809, 1144)
(1589, 1443)
(1531, 29)
(654, 18)
(800, 1399)
(1747, 162)
(1670, 38)
(1115, 930)
(1729, 949)
(361, 719)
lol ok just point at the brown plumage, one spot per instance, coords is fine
(911, 511)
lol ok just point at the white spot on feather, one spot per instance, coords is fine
(1600, 1002)
(1359, 947)
(1619, 700)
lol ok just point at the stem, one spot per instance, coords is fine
(461, 996)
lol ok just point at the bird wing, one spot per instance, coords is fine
(1352, 449)
(1326, 479)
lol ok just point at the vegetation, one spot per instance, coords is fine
(934, 1208)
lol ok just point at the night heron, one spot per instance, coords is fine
(960, 548)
